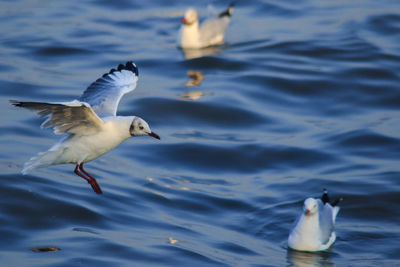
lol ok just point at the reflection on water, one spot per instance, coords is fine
(162, 184)
(172, 241)
(308, 259)
(194, 95)
(196, 53)
(196, 77)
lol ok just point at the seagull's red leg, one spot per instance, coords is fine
(93, 181)
(90, 179)
(79, 174)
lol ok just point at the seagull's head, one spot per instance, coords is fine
(190, 17)
(310, 206)
(139, 127)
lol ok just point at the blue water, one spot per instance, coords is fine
(304, 95)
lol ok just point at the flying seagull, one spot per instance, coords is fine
(90, 124)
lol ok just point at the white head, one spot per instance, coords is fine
(139, 127)
(310, 206)
(190, 17)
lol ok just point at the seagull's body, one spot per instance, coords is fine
(314, 229)
(211, 32)
(84, 148)
(90, 124)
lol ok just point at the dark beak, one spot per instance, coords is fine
(184, 21)
(153, 134)
(307, 212)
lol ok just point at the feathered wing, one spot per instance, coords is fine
(334, 213)
(74, 118)
(212, 30)
(326, 222)
(66, 118)
(104, 94)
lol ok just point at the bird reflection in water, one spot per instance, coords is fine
(196, 77)
(308, 259)
(194, 95)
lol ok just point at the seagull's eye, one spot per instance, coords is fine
(141, 127)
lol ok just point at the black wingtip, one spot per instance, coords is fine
(128, 66)
(227, 12)
(337, 201)
(16, 103)
(325, 197)
(132, 67)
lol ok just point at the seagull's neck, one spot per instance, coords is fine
(119, 125)
(190, 36)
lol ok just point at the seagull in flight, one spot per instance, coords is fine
(90, 124)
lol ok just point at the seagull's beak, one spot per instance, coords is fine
(307, 212)
(184, 21)
(153, 134)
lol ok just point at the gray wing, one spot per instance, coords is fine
(213, 29)
(326, 223)
(68, 118)
(104, 94)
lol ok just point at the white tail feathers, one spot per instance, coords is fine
(43, 159)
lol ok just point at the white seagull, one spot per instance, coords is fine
(90, 124)
(211, 32)
(314, 229)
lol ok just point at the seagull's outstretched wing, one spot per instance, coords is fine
(69, 118)
(104, 94)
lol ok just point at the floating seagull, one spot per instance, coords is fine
(211, 32)
(314, 230)
(90, 124)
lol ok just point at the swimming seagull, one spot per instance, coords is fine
(90, 124)
(211, 32)
(314, 229)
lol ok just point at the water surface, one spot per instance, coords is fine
(304, 95)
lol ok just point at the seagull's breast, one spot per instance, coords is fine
(86, 148)
(189, 36)
(305, 235)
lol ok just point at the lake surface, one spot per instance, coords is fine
(304, 96)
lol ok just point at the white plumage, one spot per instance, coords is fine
(104, 94)
(90, 124)
(210, 33)
(314, 229)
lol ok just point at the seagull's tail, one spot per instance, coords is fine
(43, 159)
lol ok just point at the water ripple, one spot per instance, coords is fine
(303, 96)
